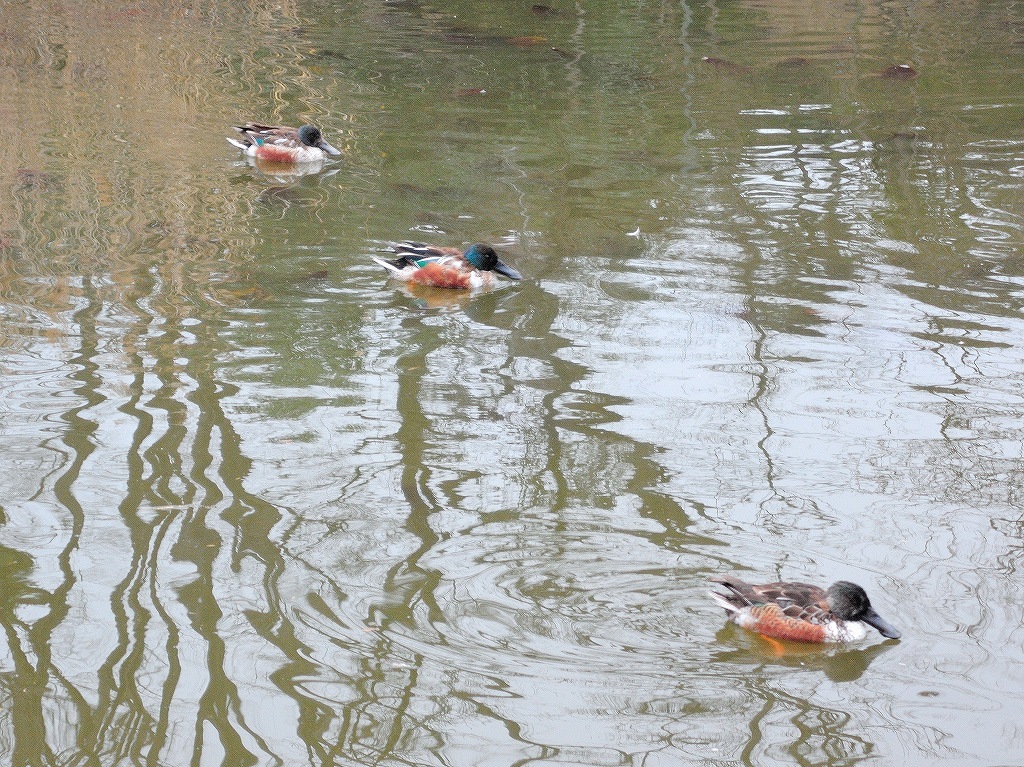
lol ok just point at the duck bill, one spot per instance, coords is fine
(328, 148)
(508, 271)
(885, 628)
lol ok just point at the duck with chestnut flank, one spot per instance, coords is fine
(281, 144)
(801, 612)
(446, 267)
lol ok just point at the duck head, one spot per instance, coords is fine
(485, 258)
(310, 135)
(849, 602)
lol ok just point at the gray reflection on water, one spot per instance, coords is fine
(443, 602)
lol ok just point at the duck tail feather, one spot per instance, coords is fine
(392, 266)
(725, 601)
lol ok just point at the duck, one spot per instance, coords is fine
(801, 612)
(281, 144)
(447, 267)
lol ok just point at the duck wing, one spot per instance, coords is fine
(802, 601)
(258, 133)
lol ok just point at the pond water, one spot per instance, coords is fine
(261, 506)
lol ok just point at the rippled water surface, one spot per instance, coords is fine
(260, 506)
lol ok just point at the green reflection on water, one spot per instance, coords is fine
(263, 507)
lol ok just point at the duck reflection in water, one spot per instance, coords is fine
(839, 662)
(428, 298)
(284, 172)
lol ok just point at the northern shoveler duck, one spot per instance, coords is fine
(800, 612)
(282, 144)
(442, 267)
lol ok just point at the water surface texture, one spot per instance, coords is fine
(260, 506)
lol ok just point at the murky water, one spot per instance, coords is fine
(261, 506)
